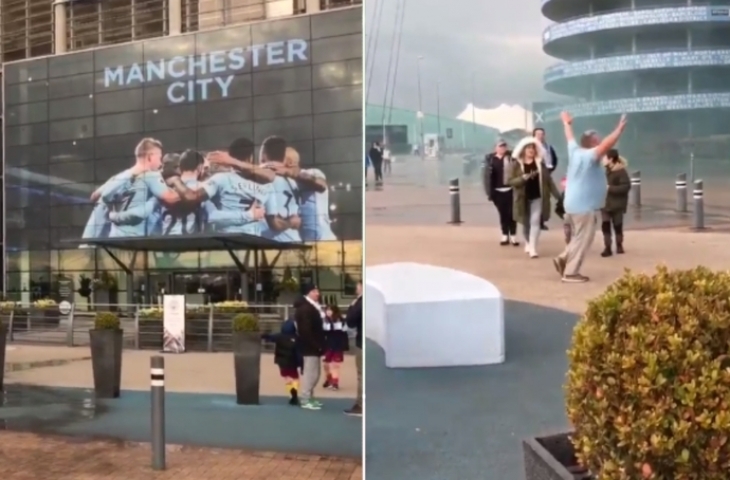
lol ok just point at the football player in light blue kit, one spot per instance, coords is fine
(141, 183)
(150, 212)
(313, 196)
(229, 198)
(283, 197)
(185, 217)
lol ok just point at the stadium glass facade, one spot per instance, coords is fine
(77, 169)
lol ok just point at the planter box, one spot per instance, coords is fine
(105, 300)
(552, 458)
(247, 364)
(150, 334)
(3, 343)
(196, 332)
(44, 318)
(106, 362)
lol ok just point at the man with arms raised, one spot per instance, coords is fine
(585, 194)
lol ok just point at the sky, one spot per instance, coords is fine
(497, 42)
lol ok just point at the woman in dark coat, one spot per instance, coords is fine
(617, 200)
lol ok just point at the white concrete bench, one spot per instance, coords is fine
(428, 316)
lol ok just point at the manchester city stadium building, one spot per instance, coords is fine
(155, 147)
(666, 63)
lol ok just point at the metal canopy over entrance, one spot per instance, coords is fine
(189, 243)
(250, 244)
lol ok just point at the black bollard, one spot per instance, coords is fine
(699, 210)
(157, 386)
(455, 194)
(635, 192)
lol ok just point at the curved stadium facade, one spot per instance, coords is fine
(666, 63)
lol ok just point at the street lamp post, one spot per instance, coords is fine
(421, 145)
(438, 108)
(473, 108)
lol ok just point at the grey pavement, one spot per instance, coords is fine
(467, 423)
(202, 420)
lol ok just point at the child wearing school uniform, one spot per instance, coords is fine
(287, 358)
(335, 331)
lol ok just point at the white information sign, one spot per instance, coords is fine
(173, 323)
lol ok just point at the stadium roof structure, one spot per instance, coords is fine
(188, 243)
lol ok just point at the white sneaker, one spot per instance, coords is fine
(533, 254)
(514, 241)
(504, 240)
(527, 248)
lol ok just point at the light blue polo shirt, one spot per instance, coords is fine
(586, 185)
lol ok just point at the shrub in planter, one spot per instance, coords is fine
(247, 358)
(106, 355)
(44, 314)
(648, 390)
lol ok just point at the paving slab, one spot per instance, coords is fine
(433, 424)
(189, 372)
(30, 457)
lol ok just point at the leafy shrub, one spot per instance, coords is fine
(45, 303)
(106, 321)
(231, 306)
(648, 389)
(154, 313)
(7, 306)
(245, 322)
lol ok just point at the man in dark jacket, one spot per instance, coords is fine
(376, 158)
(354, 321)
(495, 178)
(311, 342)
(551, 158)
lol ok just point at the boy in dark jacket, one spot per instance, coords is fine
(617, 200)
(287, 357)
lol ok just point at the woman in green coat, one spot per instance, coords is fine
(532, 186)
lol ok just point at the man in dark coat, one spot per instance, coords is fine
(354, 321)
(311, 343)
(376, 158)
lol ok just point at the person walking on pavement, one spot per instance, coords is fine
(311, 343)
(617, 201)
(551, 158)
(496, 176)
(354, 321)
(585, 194)
(376, 158)
(533, 187)
(387, 161)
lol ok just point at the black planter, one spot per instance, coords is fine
(106, 362)
(150, 334)
(3, 343)
(247, 363)
(552, 458)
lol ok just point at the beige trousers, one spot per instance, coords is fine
(358, 365)
(583, 232)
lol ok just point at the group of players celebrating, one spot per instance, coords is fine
(223, 191)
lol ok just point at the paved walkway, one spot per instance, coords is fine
(30, 457)
(433, 424)
(476, 250)
(188, 372)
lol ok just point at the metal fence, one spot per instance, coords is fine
(207, 328)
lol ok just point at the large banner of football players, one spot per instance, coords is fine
(235, 190)
(253, 130)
